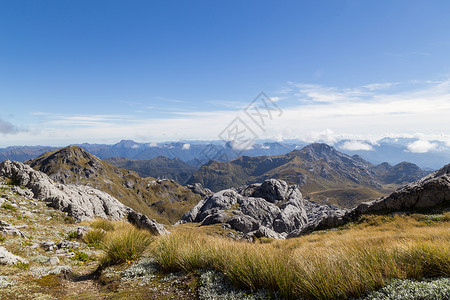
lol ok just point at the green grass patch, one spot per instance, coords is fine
(431, 219)
(8, 206)
(22, 266)
(73, 235)
(81, 256)
(49, 281)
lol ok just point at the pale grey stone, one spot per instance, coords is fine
(7, 258)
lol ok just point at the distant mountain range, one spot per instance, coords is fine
(198, 153)
(323, 174)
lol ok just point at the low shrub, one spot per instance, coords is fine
(72, 235)
(81, 256)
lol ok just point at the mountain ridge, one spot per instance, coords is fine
(391, 150)
(316, 167)
(163, 200)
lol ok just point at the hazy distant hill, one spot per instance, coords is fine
(197, 153)
(322, 172)
(164, 200)
(159, 167)
(194, 153)
(395, 150)
(23, 153)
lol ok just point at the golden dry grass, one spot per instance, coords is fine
(348, 262)
(121, 241)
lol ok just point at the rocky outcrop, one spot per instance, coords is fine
(7, 258)
(142, 221)
(10, 229)
(80, 202)
(271, 209)
(197, 188)
(430, 192)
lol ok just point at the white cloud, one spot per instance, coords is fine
(276, 99)
(365, 112)
(327, 136)
(236, 146)
(356, 145)
(7, 128)
(421, 146)
(186, 146)
(379, 86)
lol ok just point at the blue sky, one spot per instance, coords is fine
(101, 71)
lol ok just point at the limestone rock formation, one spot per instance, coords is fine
(7, 258)
(80, 202)
(10, 229)
(197, 188)
(430, 191)
(142, 221)
(271, 209)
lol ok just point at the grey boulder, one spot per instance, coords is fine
(269, 209)
(7, 258)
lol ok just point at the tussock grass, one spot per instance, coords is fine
(326, 265)
(103, 224)
(121, 241)
(125, 246)
(94, 237)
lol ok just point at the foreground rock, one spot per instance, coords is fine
(10, 229)
(430, 191)
(7, 258)
(271, 209)
(80, 202)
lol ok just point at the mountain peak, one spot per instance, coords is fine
(126, 144)
(70, 153)
(68, 159)
(320, 151)
(319, 147)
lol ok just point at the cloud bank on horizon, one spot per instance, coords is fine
(310, 112)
